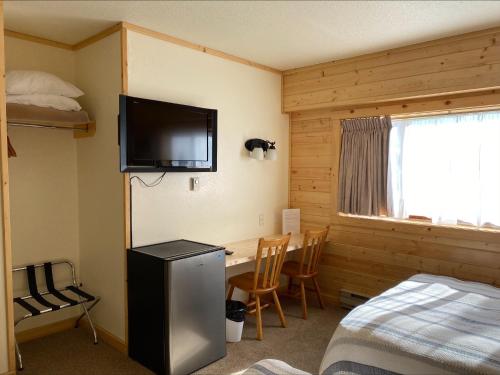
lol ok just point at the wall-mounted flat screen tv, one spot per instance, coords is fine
(158, 136)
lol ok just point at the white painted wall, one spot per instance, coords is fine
(98, 71)
(25, 55)
(44, 209)
(43, 182)
(67, 194)
(229, 202)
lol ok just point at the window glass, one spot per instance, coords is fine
(446, 168)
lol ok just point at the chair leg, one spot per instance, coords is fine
(258, 316)
(318, 293)
(303, 297)
(278, 308)
(18, 357)
(230, 293)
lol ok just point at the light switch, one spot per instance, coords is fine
(195, 183)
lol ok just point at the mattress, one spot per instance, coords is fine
(425, 325)
(33, 115)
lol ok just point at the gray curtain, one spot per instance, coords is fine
(363, 166)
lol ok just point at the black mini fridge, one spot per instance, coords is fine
(176, 306)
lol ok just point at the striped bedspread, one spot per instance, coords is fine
(273, 367)
(425, 325)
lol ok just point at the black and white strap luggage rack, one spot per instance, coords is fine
(72, 296)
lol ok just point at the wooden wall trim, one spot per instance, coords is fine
(127, 215)
(124, 59)
(107, 337)
(112, 340)
(37, 39)
(145, 31)
(72, 47)
(66, 325)
(369, 255)
(6, 227)
(456, 65)
(197, 47)
(95, 38)
(46, 330)
(422, 106)
(410, 47)
(282, 104)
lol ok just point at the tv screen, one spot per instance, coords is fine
(159, 136)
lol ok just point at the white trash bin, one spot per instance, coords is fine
(235, 318)
(233, 330)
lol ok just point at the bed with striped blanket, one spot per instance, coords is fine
(425, 325)
(273, 367)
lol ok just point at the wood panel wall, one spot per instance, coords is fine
(367, 255)
(460, 64)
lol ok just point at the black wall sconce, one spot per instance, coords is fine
(260, 149)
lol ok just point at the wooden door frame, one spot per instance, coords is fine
(5, 206)
(126, 179)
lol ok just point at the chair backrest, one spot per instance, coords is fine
(312, 247)
(271, 253)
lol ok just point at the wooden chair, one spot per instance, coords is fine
(307, 267)
(258, 284)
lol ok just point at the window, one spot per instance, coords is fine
(446, 168)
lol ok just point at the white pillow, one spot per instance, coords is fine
(21, 82)
(52, 101)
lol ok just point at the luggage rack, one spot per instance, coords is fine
(82, 297)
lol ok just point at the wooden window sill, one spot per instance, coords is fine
(420, 222)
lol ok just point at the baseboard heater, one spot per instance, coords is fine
(349, 300)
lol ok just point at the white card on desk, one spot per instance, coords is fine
(291, 221)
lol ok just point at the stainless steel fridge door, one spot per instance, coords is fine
(197, 325)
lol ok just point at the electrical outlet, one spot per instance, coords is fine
(195, 183)
(261, 220)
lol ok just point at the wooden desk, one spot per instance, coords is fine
(245, 251)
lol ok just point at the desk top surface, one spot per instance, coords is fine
(245, 251)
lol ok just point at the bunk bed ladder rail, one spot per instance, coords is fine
(38, 296)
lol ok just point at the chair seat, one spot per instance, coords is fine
(245, 282)
(311, 252)
(292, 268)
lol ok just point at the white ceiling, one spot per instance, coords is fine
(280, 34)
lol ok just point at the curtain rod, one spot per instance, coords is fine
(364, 117)
(494, 108)
(39, 126)
(397, 116)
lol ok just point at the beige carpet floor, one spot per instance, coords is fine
(74, 353)
(301, 344)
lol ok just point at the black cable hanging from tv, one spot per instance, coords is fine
(153, 184)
